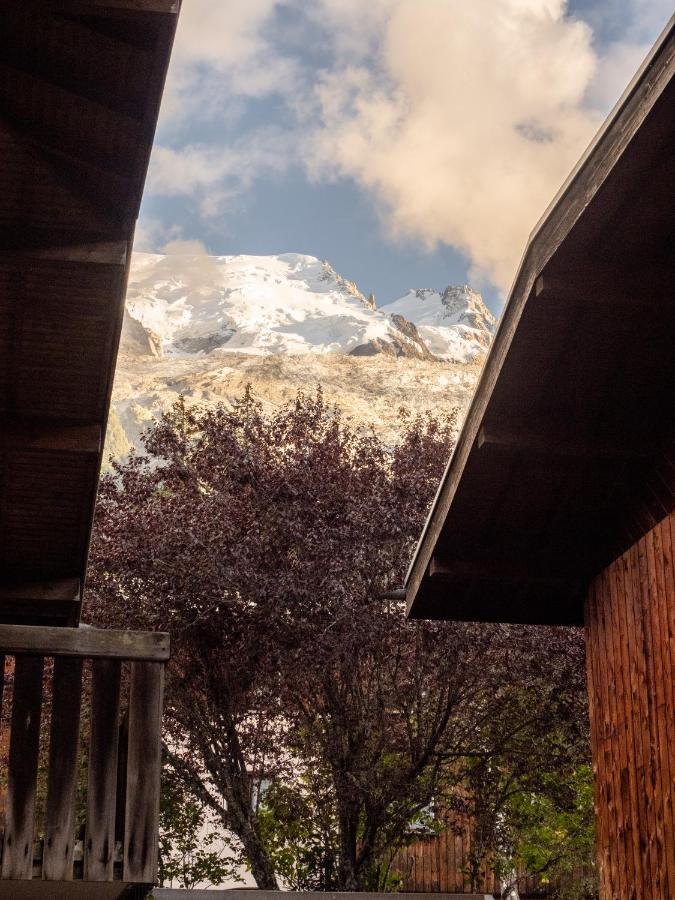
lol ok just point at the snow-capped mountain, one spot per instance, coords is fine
(454, 324)
(291, 304)
(207, 326)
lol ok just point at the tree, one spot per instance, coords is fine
(268, 544)
(190, 852)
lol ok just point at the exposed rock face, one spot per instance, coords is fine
(452, 323)
(205, 327)
(409, 344)
(138, 339)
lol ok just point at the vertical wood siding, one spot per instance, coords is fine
(439, 864)
(630, 640)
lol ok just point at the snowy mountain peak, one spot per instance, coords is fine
(192, 304)
(454, 324)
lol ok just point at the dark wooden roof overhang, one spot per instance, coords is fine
(80, 88)
(566, 456)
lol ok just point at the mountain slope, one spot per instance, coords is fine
(207, 326)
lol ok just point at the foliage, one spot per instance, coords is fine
(190, 853)
(299, 826)
(555, 835)
(269, 544)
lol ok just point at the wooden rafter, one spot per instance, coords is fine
(443, 569)
(552, 444)
(52, 437)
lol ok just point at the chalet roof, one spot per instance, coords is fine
(80, 87)
(566, 456)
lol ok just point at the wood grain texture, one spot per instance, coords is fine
(102, 780)
(57, 858)
(144, 760)
(630, 635)
(79, 97)
(92, 643)
(17, 858)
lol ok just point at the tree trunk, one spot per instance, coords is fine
(348, 826)
(242, 820)
(261, 868)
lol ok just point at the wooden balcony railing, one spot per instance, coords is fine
(80, 758)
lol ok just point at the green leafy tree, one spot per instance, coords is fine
(191, 852)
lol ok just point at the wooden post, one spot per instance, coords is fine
(99, 844)
(144, 756)
(17, 857)
(57, 860)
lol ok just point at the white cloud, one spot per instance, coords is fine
(151, 234)
(215, 174)
(473, 123)
(222, 52)
(460, 119)
(642, 21)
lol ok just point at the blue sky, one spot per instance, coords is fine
(413, 143)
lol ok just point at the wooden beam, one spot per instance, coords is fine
(59, 590)
(452, 570)
(107, 253)
(55, 79)
(166, 7)
(53, 438)
(522, 440)
(609, 287)
(91, 643)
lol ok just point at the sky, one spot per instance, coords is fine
(412, 143)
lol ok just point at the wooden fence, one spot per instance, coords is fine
(82, 729)
(439, 864)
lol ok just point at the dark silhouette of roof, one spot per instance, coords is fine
(566, 456)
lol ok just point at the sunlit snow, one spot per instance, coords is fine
(290, 304)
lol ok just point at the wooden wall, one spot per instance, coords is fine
(438, 863)
(630, 635)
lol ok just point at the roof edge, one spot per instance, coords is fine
(531, 264)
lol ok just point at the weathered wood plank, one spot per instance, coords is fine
(641, 719)
(102, 779)
(621, 723)
(88, 642)
(630, 692)
(17, 858)
(59, 840)
(60, 589)
(667, 529)
(107, 253)
(654, 561)
(167, 7)
(143, 772)
(51, 437)
(662, 574)
(653, 788)
(2, 683)
(548, 443)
